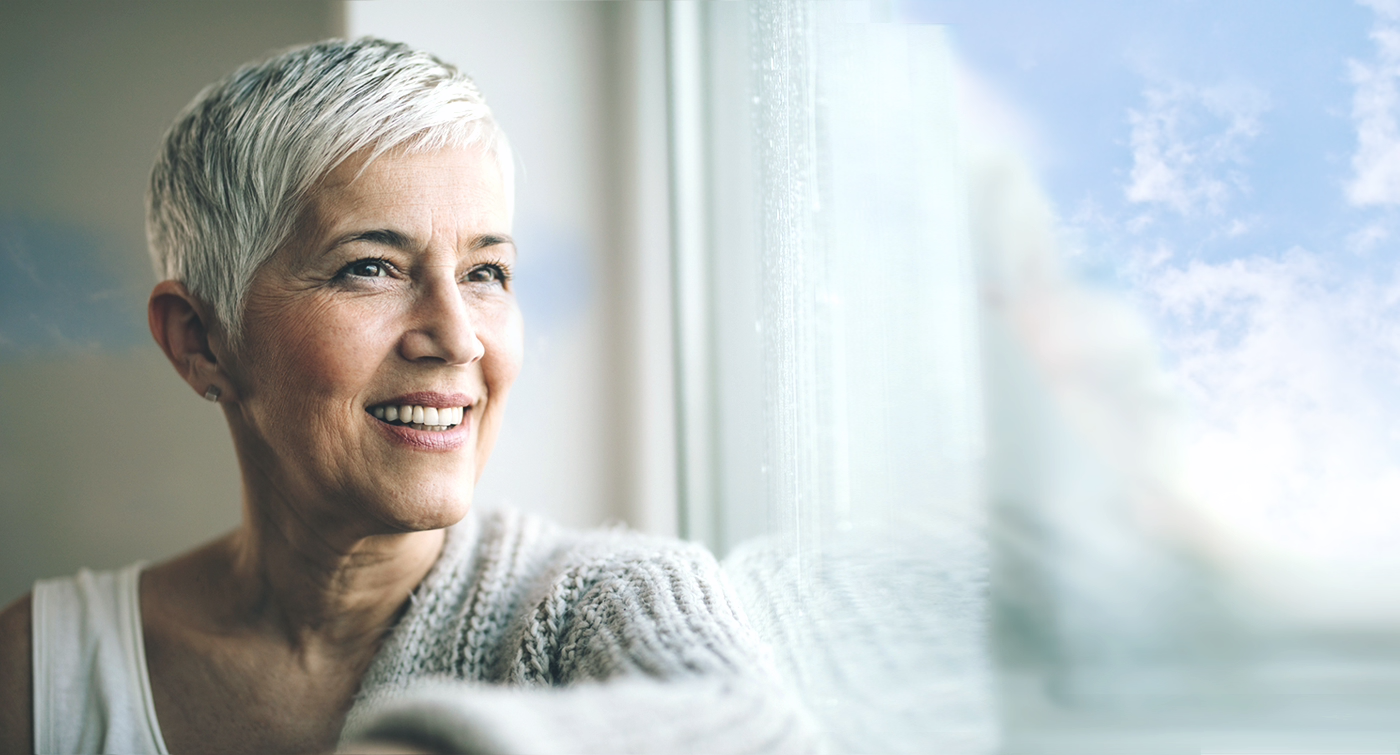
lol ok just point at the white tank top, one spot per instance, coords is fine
(92, 693)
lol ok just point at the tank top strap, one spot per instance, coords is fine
(92, 692)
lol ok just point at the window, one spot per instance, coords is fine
(1154, 420)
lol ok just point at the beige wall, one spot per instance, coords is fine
(105, 456)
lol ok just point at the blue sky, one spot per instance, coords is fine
(1232, 170)
(1077, 70)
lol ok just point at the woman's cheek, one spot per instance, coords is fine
(336, 343)
(502, 334)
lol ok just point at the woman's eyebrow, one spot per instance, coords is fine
(491, 239)
(396, 240)
(381, 236)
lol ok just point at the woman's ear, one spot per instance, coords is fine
(181, 325)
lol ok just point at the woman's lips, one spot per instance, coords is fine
(428, 440)
(436, 399)
(425, 420)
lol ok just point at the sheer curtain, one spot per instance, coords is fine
(831, 401)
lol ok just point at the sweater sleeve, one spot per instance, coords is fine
(627, 645)
(659, 609)
(715, 716)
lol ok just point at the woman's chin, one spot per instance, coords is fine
(427, 513)
(438, 518)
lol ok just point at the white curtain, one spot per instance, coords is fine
(837, 411)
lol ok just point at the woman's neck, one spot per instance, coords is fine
(321, 590)
(270, 630)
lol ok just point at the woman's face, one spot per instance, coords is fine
(391, 303)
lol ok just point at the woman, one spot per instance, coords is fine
(332, 231)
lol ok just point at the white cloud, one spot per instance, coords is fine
(1292, 376)
(1188, 144)
(1388, 8)
(1287, 474)
(1366, 239)
(1238, 227)
(1375, 111)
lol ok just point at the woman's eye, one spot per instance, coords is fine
(368, 269)
(487, 274)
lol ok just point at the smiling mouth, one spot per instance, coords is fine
(427, 418)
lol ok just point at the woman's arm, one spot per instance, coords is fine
(643, 635)
(718, 716)
(16, 695)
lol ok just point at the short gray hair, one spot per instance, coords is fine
(235, 168)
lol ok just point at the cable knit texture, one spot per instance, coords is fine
(515, 603)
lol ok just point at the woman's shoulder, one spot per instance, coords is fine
(515, 549)
(541, 560)
(15, 673)
(71, 612)
(516, 598)
(612, 601)
(536, 537)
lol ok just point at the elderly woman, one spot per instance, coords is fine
(332, 231)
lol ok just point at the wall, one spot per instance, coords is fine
(105, 456)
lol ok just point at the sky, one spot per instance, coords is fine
(1233, 171)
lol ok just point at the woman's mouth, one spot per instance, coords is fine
(426, 418)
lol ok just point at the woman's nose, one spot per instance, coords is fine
(441, 328)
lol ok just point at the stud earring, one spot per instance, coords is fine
(213, 393)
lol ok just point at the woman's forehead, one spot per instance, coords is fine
(413, 192)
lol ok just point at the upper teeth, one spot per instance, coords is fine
(426, 416)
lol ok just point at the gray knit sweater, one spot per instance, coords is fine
(526, 637)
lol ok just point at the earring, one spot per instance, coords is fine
(213, 393)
